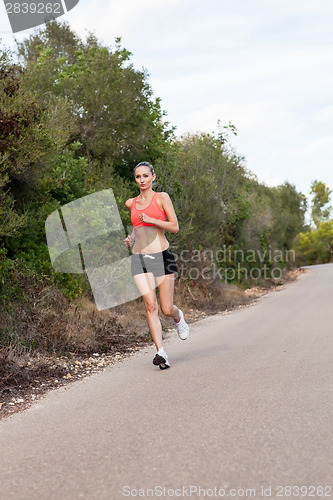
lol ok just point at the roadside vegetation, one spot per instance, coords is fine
(314, 245)
(75, 118)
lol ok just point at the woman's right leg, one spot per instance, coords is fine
(146, 285)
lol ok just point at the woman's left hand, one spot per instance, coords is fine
(145, 218)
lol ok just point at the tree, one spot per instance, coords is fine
(288, 210)
(205, 183)
(325, 234)
(10, 220)
(278, 212)
(118, 118)
(315, 246)
(320, 199)
(31, 135)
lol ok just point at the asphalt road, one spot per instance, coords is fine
(245, 411)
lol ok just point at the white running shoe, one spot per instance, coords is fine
(161, 359)
(182, 327)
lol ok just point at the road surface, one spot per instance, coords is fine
(245, 411)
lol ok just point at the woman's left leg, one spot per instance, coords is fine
(166, 286)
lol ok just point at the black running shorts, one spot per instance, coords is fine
(159, 263)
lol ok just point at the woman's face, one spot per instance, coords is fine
(144, 177)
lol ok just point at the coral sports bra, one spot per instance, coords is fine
(153, 210)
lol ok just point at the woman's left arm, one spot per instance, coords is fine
(172, 224)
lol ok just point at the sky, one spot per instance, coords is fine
(266, 66)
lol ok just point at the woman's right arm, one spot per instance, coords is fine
(131, 238)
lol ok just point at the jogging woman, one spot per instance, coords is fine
(152, 258)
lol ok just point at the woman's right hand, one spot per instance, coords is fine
(129, 241)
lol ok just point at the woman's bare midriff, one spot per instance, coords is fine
(149, 239)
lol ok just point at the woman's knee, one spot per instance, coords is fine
(151, 306)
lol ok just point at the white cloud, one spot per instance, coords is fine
(324, 114)
(321, 147)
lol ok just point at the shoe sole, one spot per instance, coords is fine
(161, 362)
